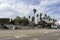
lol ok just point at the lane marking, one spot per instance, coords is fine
(35, 39)
(45, 32)
(56, 34)
(58, 39)
(21, 36)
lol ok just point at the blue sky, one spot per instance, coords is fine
(13, 8)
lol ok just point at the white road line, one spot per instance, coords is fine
(56, 34)
(21, 36)
(45, 32)
(35, 39)
(58, 39)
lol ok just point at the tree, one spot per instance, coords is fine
(18, 20)
(25, 21)
(33, 23)
(41, 20)
(49, 18)
(29, 18)
(44, 22)
(33, 19)
(12, 21)
(46, 17)
(37, 17)
(40, 16)
(54, 22)
(34, 10)
(5, 20)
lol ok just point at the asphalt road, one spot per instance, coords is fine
(43, 36)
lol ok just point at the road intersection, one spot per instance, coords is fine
(42, 34)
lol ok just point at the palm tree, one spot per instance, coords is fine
(33, 19)
(37, 17)
(16, 20)
(29, 17)
(49, 18)
(25, 21)
(40, 16)
(46, 17)
(41, 20)
(34, 10)
(54, 21)
(29, 20)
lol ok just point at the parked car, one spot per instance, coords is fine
(11, 27)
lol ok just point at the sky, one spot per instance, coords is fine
(13, 8)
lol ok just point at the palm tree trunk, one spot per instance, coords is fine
(34, 17)
(37, 19)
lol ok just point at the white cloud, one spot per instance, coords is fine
(20, 8)
(3, 5)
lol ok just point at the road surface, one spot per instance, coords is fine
(42, 35)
